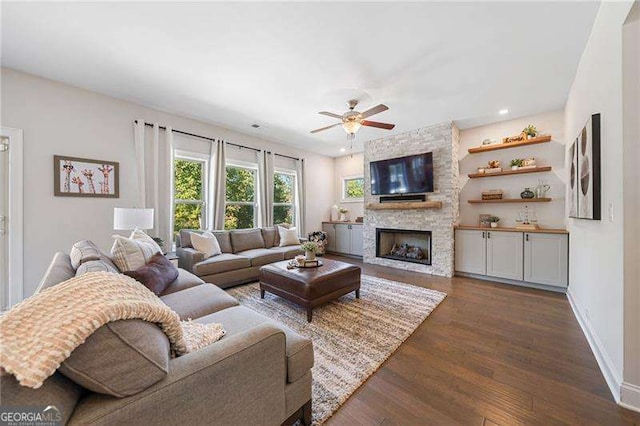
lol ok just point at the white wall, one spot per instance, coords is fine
(596, 254)
(60, 119)
(551, 214)
(346, 166)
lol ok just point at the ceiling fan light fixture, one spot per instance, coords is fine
(351, 127)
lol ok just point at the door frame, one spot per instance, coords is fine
(15, 224)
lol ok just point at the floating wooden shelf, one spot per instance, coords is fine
(529, 231)
(405, 205)
(496, 146)
(512, 200)
(511, 172)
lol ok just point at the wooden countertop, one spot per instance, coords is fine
(530, 231)
(342, 223)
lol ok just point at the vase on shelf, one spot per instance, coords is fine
(494, 224)
(527, 193)
(343, 217)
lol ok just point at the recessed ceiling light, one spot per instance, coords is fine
(255, 126)
(343, 149)
(503, 111)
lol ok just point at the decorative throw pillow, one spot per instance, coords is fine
(288, 237)
(101, 265)
(129, 255)
(140, 235)
(155, 275)
(83, 251)
(206, 243)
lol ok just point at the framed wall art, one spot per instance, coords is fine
(588, 170)
(572, 188)
(82, 177)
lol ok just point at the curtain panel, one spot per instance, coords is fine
(300, 199)
(218, 184)
(265, 187)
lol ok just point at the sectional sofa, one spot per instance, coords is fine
(244, 251)
(258, 373)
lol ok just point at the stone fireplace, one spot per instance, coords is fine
(411, 226)
(405, 245)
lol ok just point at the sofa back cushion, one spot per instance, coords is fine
(269, 236)
(224, 240)
(121, 358)
(59, 270)
(246, 239)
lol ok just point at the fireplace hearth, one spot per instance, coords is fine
(405, 245)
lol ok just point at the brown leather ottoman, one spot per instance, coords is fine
(310, 287)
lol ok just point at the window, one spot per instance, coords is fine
(240, 205)
(284, 190)
(189, 177)
(353, 188)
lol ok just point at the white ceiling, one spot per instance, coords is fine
(278, 64)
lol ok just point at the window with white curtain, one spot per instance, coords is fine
(284, 197)
(190, 190)
(240, 203)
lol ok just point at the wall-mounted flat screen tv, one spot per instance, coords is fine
(404, 175)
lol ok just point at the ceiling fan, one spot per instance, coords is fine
(352, 120)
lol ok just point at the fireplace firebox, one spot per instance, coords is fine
(405, 245)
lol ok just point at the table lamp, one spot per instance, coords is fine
(130, 219)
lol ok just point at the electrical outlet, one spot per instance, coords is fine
(611, 212)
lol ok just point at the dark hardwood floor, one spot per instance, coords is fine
(489, 354)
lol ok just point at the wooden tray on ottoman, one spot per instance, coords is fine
(310, 287)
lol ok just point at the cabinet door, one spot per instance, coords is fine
(343, 238)
(329, 229)
(356, 240)
(546, 258)
(471, 251)
(504, 255)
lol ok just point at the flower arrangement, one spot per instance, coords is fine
(309, 246)
(494, 221)
(530, 131)
(516, 163)
(342, 210)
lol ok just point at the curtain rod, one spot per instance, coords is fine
(215, 140)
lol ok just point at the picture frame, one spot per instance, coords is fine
(84, 177)
(588, 170)
(572, 188)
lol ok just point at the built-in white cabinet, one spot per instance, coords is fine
(344, 238)
(545, 259)
(518, 256)
(471, 252)
(504, 255)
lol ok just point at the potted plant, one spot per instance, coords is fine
(494, 221)
(531, 131)
(343, 214)
(310, 249)
(516, 163)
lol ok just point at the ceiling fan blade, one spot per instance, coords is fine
(330, 114)
(374, 110)
(378, 124)
(325, 128)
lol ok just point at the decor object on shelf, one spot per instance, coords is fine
(485, 220)
(489, 142)
(82, 177)
(518, 138)
(494, 221)
(516, 163)
(360, 219)
(527, 193)
(541, 189)
(505, 145)
(343, 214)
(492, 194)
(493, 164)
(310, 249)
(588, 170)
(528, 163)
(527, 219)
(334, 213)
(481, 170)
(531, 131)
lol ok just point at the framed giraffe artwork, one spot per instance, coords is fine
(82, 177)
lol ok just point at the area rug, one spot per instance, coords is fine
(351, 337)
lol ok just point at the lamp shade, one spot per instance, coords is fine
(128, 219)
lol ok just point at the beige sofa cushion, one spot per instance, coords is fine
(121, 358)
(262, 256)
(269, 236)
(246, 239)
(299, 350)
(289, 252)
(196, 302)
(222, 263)
(223, 238)
(184, 281)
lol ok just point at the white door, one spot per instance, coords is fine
(343, 238)
(471, 251)
(546, 258)
(504, 255)
(11, 181)
(329, 229)
(356, 239)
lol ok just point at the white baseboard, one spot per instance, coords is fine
(609, 370)
(630, 396)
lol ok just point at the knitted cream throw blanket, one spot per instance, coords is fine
(38, 334)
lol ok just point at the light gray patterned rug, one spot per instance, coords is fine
(351, 338)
